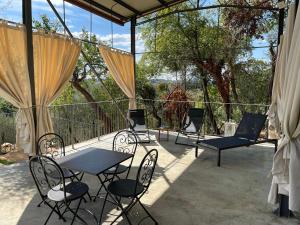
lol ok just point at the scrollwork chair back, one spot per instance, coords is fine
(147, 167)
(51, 145)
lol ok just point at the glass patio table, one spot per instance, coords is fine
(94, 161)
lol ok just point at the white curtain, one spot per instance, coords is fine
(286, 108)
(121, 67)
(55, 59)
(14, 81)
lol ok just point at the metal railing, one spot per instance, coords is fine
(7, 131)
(81, 122)
(160, 108)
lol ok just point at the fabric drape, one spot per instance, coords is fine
(121, 67)
(14, 81)
(286, 107)
(55, 59)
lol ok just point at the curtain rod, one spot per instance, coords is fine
(75, 38)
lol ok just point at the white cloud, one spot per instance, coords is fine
(54, 2)
(42, 5)
(121, 41)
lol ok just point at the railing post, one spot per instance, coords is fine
(72, 127)
(98, 126)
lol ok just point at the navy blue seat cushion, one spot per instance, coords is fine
(225, 142)
(125, 188)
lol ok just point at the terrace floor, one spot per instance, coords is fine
(185, 190)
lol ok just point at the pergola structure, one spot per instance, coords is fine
(117, 11)
(121, 12)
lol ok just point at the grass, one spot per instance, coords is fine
(6, 162)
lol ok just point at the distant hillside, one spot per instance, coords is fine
(159, 81)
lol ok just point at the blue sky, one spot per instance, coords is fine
(77, 18)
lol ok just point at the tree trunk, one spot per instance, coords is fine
(221, 79)
(102, 115)
(155, 115)
(235, 94)
(208, 107)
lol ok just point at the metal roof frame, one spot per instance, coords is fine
(122, 11)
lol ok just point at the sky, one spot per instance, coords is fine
(77, 18)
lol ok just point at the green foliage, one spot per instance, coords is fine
(67, 96)
(253, 81)
(6, 162)
(162, 87)
(45, 24)
(182, 41)
(6, 107)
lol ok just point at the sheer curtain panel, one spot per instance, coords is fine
(14, 82)
(121, 67)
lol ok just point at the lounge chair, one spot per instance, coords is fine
(247, 134)
(137, 124)
(192, 125)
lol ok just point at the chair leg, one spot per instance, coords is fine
(53, 209)
(219, 158)
(75, 213)
(39, 205)
(148, 133)
(177, 138)
(124, 211)
(147, 212)
(60, 215)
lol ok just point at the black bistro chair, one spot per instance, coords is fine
(50, 182)
(52, 145)
(124, 141)
(193, 124)
(137, 124)
(134, 189)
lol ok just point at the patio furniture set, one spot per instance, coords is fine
(246, 134)
(58, 177)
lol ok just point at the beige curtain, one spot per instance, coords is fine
(14, 82)
(55, 59)
(121, 67)
(286, 164)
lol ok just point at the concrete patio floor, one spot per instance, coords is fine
(184, 191)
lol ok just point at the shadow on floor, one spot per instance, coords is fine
(186, 190)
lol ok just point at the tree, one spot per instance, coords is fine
(147, 91)
(45, 24)
(211, 48)
(83, 74)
